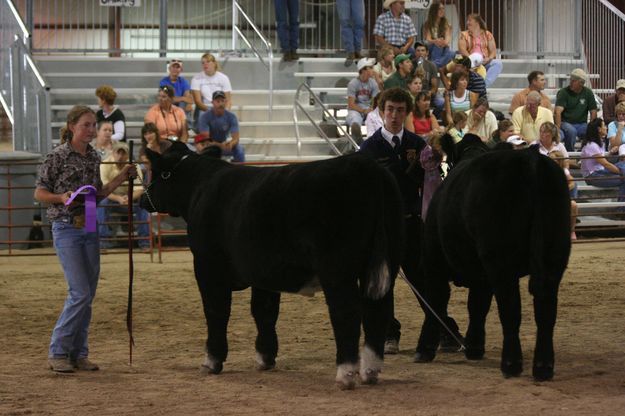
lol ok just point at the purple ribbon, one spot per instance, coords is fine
(90, 205)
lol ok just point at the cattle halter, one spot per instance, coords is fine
(164, 175)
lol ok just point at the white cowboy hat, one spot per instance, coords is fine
(387, 3)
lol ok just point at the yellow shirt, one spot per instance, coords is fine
(108, 171)
(526, 126)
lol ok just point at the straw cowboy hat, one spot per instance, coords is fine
(387, 3)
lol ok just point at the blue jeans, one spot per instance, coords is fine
(569, 133)
(354, 117)
(79, 254)
(237, 153)
(440, 56)
(493, 69)
(287, 18)
(605, 179)
(352, 21)
(104, 214)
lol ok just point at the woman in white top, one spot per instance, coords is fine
(385, 67)
(480, 121)
(549, 140)
(204, 84)
(374, 118)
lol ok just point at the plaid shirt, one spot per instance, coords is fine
(394, 31)
(64, 169)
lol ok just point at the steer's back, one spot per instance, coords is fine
(282, 227)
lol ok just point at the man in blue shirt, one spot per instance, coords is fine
(220, 124)
(182, 89)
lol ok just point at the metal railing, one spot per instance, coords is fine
(24, 94)
(313, 98)
(237, 32)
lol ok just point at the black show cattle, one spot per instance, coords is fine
(497, 217)
(332, 225)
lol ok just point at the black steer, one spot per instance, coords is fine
(332, 225)
(498, 217)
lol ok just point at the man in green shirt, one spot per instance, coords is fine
(573, 103)
(400, 77)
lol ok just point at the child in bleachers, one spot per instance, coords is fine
(560, 159)
(459, 123)
(431, 158)
(505, 129)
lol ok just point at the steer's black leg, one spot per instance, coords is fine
(509, 306)
(480, 298)
(265, 309)
(376, 318)
(343, 299)
(437, 294)
(216, 300)
(545, 312)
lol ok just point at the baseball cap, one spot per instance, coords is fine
(175, 62)
(365, 62)
(516, 140)
(579, 73)
(219, 94)
(401, 58)
(621, 150)
(200, 137)
(476, 59)
(620, 84)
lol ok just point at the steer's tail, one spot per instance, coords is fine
(388, 239)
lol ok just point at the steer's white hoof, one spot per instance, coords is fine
(264, 363)
(211, 365)
(346, 376)
(370, 366)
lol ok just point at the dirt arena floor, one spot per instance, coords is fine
(170, 332)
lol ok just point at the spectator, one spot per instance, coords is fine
(437, 35)
(477, 39)
(204, 84)
(560, 159)
(549, 140)
(374, 119)
(400, 77)
(168, 118)
(431, 159)
(616, 129)
(108, 111)
(461, 63)
(399, 151)
(480, 121)
(609, 104)
(505, 130)
(352, 21)
(428, 72)
(69, 166)
(103, 141)
(360, 92)
(456, 130)
(415, 85)
(287, 18)
(596, 169)
(394, 28)
(420, 121)
(151, 139)
(536, 81)
(528, 118)
(458, 98)
(385, 67)
(222, 128)
(182, 89)
(117, 201)
(573, 104)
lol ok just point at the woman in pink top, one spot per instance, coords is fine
(596, 169)
(477, 39)
(170, 119)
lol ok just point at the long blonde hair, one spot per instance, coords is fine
(72, 118)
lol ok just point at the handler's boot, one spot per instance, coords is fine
(60, 365)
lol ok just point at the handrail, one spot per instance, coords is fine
(18, 19)
(297, 104)
(269, 64)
